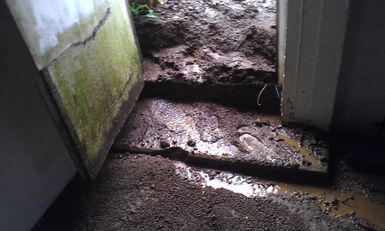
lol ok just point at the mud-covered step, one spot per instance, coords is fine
(248, 27)
(258, 97)
(216, 51)
(182, 73)
(217, 136)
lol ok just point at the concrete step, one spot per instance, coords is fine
(188, 74)
(216, 136)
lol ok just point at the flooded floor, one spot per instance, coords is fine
(352, 195)
(142, 192)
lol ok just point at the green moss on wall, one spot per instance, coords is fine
(94, 79)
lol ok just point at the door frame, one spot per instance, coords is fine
(311, 41)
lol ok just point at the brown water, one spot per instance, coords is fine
(349, 201)
(352, 201)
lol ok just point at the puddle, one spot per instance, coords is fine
(234, 183)
(306, 153)
(334, 202)
(339, 203)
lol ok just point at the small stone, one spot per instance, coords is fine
(335, 202)
(164, 144)
(294, 164)
(279, 139)
(191, 143)
(258, 123)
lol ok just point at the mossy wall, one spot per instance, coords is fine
(92, 79)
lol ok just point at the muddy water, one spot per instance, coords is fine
(334, 202)
(350, 202)
(306, 153)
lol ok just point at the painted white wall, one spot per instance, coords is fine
(314, 45)
(34, 163)
(361, 90)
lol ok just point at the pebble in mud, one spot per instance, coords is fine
(294, 164)
(191, 143)
(163, 144)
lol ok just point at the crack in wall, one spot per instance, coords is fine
(101, 22)
(89, 38)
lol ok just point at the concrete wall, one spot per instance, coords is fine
(360, 99)
(34, 163)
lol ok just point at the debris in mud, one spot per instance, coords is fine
(343, 200)
(191, 143)
(227, 42)
(163, 144)
(211, 131)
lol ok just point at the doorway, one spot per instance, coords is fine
(212, 93)
(223, 51)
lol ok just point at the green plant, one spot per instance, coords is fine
(144, 7)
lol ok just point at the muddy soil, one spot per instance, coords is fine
(136, 192)
(209, 130)
(208, 41)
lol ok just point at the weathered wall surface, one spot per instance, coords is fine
(48, 25)
(34, 163)
(94, 78)
(88, 53)
(361, 89)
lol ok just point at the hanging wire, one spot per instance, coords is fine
(260, 93)
(277, 91)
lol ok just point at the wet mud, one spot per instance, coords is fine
(139, 192)
(216, 133)
(353, 196)
(214, 45)
(210, 42)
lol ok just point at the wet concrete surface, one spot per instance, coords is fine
(141, 192)
(215, 132)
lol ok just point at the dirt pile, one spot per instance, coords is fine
(210, 41)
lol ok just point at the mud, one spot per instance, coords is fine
(211, 131)
(348, 198)
(213, 42)
(136, 192)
